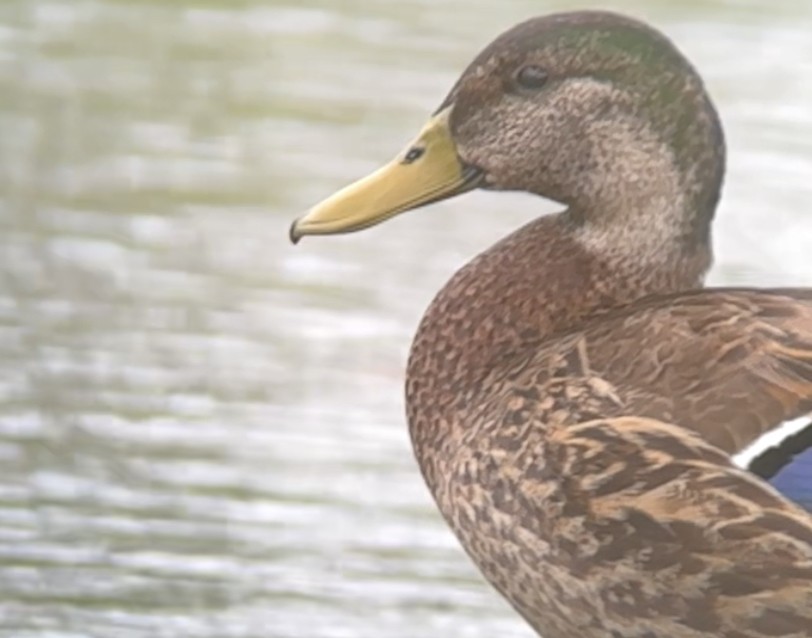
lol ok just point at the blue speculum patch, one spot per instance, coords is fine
(794, 480)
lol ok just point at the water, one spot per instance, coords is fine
(201, 427)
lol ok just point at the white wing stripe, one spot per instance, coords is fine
(770, 439)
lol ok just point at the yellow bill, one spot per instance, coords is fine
(427, 171)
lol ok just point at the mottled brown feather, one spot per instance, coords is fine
(729, 364)
(626, 526)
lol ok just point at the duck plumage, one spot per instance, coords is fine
(575, 398)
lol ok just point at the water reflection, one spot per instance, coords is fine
(201, 429)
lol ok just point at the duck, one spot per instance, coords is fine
(586, 414)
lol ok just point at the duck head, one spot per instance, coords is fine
(591, 109)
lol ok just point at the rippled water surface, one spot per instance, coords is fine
(201, 428)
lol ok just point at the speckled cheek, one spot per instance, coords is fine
(499, 150)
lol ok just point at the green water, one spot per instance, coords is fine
(201, 427)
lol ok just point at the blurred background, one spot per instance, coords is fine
(201, 427)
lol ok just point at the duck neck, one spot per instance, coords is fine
(547, 277)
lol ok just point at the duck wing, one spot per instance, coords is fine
(732, 365)
(625, 526)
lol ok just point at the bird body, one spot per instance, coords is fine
(575, 398)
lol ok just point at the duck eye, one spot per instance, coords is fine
(413, 154)
(532, 77)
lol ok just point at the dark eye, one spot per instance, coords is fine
(531, 77)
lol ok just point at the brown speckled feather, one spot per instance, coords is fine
(627, 527)
(592, 522)
(729, 364)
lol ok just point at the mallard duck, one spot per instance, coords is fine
(575, 398)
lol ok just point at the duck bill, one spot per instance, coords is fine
(427, 171)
